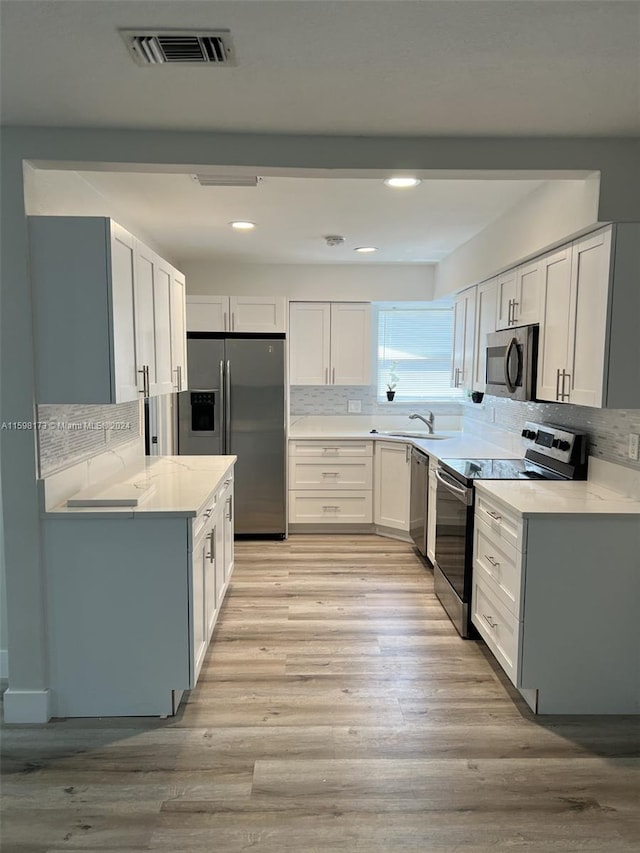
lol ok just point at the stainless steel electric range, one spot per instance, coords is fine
(553, 453)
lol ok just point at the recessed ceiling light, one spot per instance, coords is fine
(365, 249)
(243, 225)
(402, 182)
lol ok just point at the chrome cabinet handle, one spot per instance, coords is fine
(567, 395)
(333, 376)
(494, 514)
(509, 312)
(558, 384)
(513, 312)
(456, 379)
(327, 508)
(407, 453)
(333, 450)
(211, 536)
(326, 376)
(224, 322)
(230, 516)
(233, 321)
(330, 474)
(493, 562)
(489, 622)
(145, 380)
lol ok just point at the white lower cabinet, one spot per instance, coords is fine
(330, 482)
(392, 485)
(555, 599)
(131, 606)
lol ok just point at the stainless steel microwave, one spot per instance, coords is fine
(512, 357)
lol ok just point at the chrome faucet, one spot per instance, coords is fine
(428, 421)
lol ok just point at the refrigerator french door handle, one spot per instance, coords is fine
(223, 402)
(227, 409)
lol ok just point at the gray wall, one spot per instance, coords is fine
(619, 199)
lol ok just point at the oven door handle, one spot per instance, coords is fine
(509, 382)
(461, 491)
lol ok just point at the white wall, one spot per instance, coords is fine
(311, 281)
(550, 214)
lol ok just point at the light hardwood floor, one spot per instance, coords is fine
(337, 710)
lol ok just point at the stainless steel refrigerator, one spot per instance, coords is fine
(236, 404)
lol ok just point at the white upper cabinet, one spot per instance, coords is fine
(236, 314)
(589, 351)
(464, 320)
(330, 343)
(518, 296)
(486, 311)
(102, 312)
(178, 331)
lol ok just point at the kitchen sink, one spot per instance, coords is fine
(410, 434)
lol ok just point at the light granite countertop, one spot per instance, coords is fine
(172, 486)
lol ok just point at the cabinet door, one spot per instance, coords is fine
(431, 514)
(507, 289)
(392, 485)
(178, 331)
(463, 338)
(144, 321)
(125, 377)
(527, 300)
(162, 328)
(257, 313)
(555, 305)
(198, 606)
(208, 314)
(590, 264)
(350, 343)
(309, 343)
(486, 309)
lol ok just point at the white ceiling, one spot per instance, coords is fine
(292, 215)
(392, 67)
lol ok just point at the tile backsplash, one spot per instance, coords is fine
(70, 434)
(333, 400)
(608, 429)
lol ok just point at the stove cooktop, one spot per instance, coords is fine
(497, 469)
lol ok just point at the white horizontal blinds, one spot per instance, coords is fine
(416, 344)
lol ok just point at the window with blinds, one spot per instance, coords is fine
(416, 344)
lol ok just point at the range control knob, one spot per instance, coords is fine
(529, 433)
(560, 444)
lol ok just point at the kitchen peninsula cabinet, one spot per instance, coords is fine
(133, 593)
(564, 631)
(330, 343)
(102, 312)
(236, 313)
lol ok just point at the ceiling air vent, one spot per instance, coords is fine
(183, 47)
(227, 180)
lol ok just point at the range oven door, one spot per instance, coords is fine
(454, 533)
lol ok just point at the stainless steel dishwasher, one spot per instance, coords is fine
(419, 499)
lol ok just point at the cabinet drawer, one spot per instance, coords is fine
(330, 508)
(500, 561)
(499, 628)
(345, 473)
(330, 449)
(505, 525)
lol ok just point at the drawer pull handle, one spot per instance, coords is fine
(330, 474)
(331, 450)
(327, 508)
(494, 515)
(493, 562)
(489, 621)
(207, 512)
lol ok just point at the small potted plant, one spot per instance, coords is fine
(393, 381)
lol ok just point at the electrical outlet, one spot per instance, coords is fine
(354, 407)
(634, 445)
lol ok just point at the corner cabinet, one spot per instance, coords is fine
(132, 602)
(330, 343)
(589, 351)
(103, 312)
(565, 635)
(236, 313)
(392, 490)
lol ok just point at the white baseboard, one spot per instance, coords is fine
(4, 663)
(26, 706)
